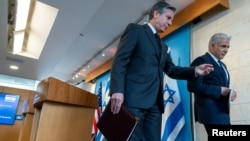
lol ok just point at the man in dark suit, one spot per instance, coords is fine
(137, 72)
(211, 92)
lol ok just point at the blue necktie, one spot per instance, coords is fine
(225, 72)
(220, 64)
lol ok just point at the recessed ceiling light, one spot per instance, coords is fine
(14, 67)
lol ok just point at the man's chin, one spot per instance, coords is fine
(162, 30)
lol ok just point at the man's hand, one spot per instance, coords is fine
(233, 96)
(204, 69)
(116, 102)
(226, 91)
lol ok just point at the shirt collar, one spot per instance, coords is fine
(152, 28)
(215, 59)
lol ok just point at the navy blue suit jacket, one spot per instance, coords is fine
(210, 106)
(138, 67)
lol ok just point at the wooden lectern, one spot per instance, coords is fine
(28, 114)
(63, 112)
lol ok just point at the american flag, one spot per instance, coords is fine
(97, 113)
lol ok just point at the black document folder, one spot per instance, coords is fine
(118, 127)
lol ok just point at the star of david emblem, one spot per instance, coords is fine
(170, 93)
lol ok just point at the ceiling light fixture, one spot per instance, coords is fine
(19, 12)
(14, 67)
(24, 25)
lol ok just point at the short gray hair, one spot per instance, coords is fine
(217, 37)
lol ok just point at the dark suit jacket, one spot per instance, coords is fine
(137, 69)
(210, 106)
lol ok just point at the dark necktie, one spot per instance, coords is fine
(225, 72)
(220, 64)
(158, 39)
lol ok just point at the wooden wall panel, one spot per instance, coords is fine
(11, 132)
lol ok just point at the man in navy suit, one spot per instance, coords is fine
(137, 72)
(211, 91)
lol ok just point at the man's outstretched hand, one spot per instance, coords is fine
(203, 69)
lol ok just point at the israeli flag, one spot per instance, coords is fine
(173, 118)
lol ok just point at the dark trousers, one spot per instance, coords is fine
(149, 126)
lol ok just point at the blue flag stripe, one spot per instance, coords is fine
(172, 121)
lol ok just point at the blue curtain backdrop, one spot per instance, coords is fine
(179, 42)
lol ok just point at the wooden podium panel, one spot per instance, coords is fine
(52, 89)
(26, 128)
(35, 124)
(28, 113)
(63, 112)
(60, 122)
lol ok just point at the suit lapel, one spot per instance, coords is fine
(226, 81)
(153, 40)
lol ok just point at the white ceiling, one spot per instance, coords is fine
(82, 30)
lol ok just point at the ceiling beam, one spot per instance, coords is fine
(100, 70)
(193, 11)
